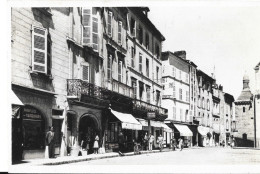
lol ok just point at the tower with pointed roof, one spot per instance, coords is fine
(244, 110)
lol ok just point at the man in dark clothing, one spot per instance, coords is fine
(50, 142)
(121, 141)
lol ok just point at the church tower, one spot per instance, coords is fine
(244, 112)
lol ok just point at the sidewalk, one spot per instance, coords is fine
(74, 159)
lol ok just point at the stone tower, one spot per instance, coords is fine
(244, 112)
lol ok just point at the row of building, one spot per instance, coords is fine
(99, 71)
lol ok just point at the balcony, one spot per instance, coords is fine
(122, 88)
(141, 108)
(86, 92)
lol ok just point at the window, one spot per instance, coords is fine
(244, 109)
(208, 120)
(132, 27)
(109, 64)
(140, 35)
(86, 22)
(147, 67)
(173, 72)
(148, 94)
(157, 51)
(170, 85)
(199, 103)
(157, 74)
(157, 97)
(119, 32)
(39, 50)
(120, 73)
(48, 55)
(174, 113)
(109, 24)
(187, 78)
(227, 125)
(180, 75)
(181, 115)
(173, 90)
(141, 89)
(147, 40)
(112, 132)
(140, 62)
(95, 33)
(180, 94)
(208, 104)
(85, 72)
(187, 96)
(133, 57)
(202, 103)
(134, 86)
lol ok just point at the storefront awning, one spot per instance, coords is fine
(203, 130)
(184, 130)
(128, 121)
(158, 124)
(15, 100)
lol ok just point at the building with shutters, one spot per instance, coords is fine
(178, 95)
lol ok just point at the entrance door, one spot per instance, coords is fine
(56, 123)
(88, 126)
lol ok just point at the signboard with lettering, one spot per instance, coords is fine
(31, 113)
(150, 115)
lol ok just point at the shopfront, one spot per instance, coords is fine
(182, 131)
(205, 136)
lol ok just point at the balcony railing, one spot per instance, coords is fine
(78, 87)
(147, 107)
(122, 88)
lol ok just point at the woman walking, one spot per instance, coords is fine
(95, 147)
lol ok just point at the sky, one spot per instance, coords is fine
(221, 35)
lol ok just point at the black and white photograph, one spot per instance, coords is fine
(132, 87)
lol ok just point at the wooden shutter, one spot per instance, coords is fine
(120, 71)
(109, 24)
(140, 62)
(109, 59)
(85, 72)
(95, 33)
(120, 32)
(86, 22)
(39, 49)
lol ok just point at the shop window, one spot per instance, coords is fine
(112, 132)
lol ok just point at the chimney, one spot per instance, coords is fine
(220, 87)
(181, 54)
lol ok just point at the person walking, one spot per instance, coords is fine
(95, 147)
(173, 143)
(151, 139)
(180, 144)
(50, 142)
(160, 142)
(223, 143)
(121, 141)
(145, 141)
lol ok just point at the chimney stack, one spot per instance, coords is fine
(181, 54)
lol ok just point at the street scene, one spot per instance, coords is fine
(126, 86)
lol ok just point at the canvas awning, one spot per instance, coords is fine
(128, 120)
(15, 100)
(203, 130)
(184, 130)
(158, 124)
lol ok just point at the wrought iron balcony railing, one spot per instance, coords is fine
(78, 87)
(141, 105)
(122, 88)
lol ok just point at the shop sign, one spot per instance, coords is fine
(150, 115)
(31, 113)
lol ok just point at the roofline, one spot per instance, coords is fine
(185, 60)
(198, 70)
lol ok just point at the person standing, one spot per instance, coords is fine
(85, 143)
(223, 143)
(121, 141)
(173, 143)
(95, 147)
(146, 141)
(151, 139)
(180, 144)
(160, 142)
(50, 142)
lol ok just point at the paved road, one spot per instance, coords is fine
(202, 156)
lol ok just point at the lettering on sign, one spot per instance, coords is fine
(150, 115)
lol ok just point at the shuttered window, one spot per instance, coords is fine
(39, 49)
(148, 92)
(95, 33)
(120, 71)
(109, 24)
(119, 32)
(85, 72)
(140, 62)
(109, 59)
(173, 90)
(132, 57)
(86, 22)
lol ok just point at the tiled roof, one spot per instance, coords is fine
(245, 95)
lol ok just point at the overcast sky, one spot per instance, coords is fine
(224, 35)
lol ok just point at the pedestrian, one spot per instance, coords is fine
(85, 143)
(50, 142)
(95, 147)
(233, 143)
(121, 141)
(223, 143)
(180, 144)
(151, 139)
(160, 142)
(173, 143)
(145, 141)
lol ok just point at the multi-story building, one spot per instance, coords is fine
(71, 70)
(144, 44)
(244, 116)
(204, 108)
(178, 94)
